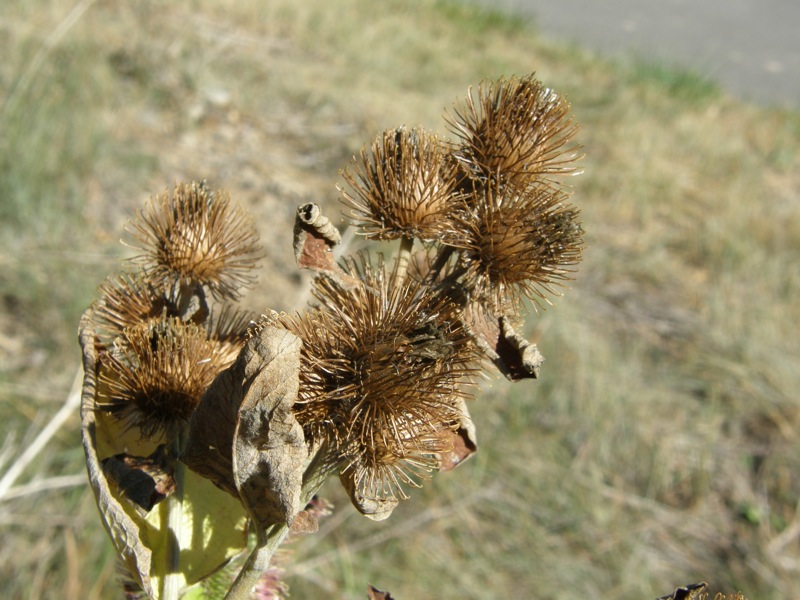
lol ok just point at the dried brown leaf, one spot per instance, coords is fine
(314, 239)
(143, 480)
(374, 593)
(269, 449)
(463, 441)
(244, 436)
(209, 443)
(514, 357)
(692, 591)
(305, 522)
(376, 509)
(124, 528)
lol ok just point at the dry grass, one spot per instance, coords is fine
(660, 446)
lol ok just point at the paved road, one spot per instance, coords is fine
(751, 47)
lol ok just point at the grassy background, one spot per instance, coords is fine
(662, 444)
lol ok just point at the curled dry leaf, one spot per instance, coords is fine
(692, 591)
(209, 450)
(374, 593)
(463, 440)
(269, 448)
(144, 480)
(123, 526)
(516, 348)
(128, 490)
(376, 509)
(244, 436)
(305, 522)
(514, 357)
(314, 239)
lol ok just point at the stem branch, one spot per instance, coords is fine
(173, 579)
(444, 254)
(403, 258)
(258, 561)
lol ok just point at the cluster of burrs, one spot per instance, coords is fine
(371, 381)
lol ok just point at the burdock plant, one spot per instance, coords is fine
(208, 432)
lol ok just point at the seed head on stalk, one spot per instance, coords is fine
(402, 186)
(196, 237)
(382, 371)
(516, 244)
(516, 132)
(157, 371)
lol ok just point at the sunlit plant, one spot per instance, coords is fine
(208, 432)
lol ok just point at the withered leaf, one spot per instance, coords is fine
(314, 239)
(123, 526)
(687, 592)
(143, 480)
(374, 593)
(514, 357)
(463, 440)
(376, 509)
(305, 522)
(269, 449)
(212, 525)
(244, 437)
(209, 443)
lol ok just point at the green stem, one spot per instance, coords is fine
(258, 561)
(270, 538)
(173, 578)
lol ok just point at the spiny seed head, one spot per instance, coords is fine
(402, 186)
(157, 371)
(517, 244)
(516, 131)
(126, 300)
(196, 237)
(382, 370)
(228, 323)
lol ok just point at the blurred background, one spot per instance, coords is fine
(748, 46)
(661, 445)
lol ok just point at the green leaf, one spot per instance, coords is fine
(209, 530)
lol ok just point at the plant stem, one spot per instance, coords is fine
(270, 538)
(173, 579)
(403, 258)
(444, 254)
(258, 561)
